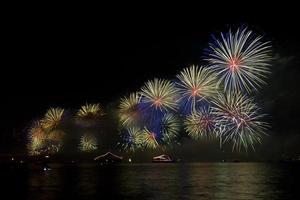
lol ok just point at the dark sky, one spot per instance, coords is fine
(59, 59)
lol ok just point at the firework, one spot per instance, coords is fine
(36, 138)
(149, 139)
(240, 59)
(196, 84)
(44, 140)
(160, 94)
(129, 112)
(52, 118)
(132, 138)
(88, 143)
(201, 123)
(240, 120)
(90, 111)
(169, 128)
(35, 145)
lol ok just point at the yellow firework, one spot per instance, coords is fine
(160, 94)
(195, 84)
(52, 118)
(201, 124)
(34, 146)
(44, 140)
(128, 110)
(149, 139)
(88, 143)
(90, 111)
(37, 131)
(36, 138)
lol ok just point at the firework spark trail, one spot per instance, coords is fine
(240, 59)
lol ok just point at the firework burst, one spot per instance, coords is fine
(240, 59)
(88, 143)
(160, 94)
(149, 139)
(129, 113)
(36, 138)
(169, 128)
(52, 118)
(240, 120)
(201, 124)
(90, 111)
(196, 84)
(43, 138)
(132, 139)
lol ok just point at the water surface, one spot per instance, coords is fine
(156, 181)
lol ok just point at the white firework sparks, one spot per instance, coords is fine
(240, 120)
(240, 59)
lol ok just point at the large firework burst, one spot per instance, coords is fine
(196, 84)
(240, 120)
(42, 141)
(129, 112)
(88, 143)
(241, 60)
(52, 118)
(201, 123)
(160, 94)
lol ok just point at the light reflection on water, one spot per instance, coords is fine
(158, 181)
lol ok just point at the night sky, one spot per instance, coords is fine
(61, 60)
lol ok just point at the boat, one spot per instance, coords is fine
(162, 159)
